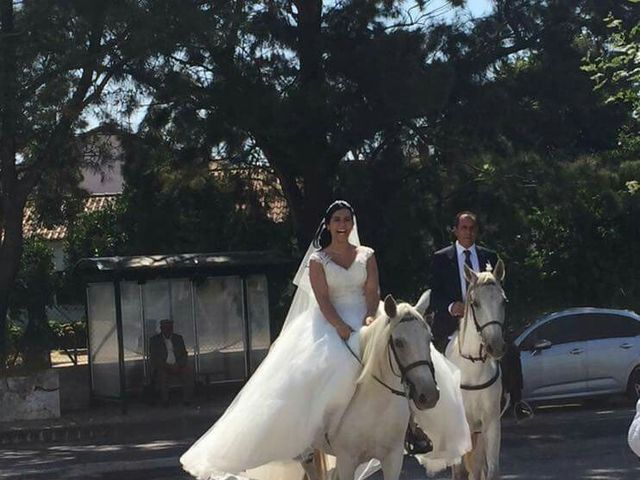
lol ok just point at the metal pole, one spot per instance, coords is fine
(194, 320)
(119, 329)
(169, 285)
(246, 328)
(89, 352)
(145, 370)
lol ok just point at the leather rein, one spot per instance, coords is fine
(404, 370)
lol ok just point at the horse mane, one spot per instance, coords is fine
(486, 278)
(374, 342)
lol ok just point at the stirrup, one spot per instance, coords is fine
(522, 410)
(417, 442)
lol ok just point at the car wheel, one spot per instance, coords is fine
(633, 387)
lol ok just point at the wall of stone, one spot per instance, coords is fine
(30, 397)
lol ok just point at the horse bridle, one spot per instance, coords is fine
(482, 357)
(404, 370)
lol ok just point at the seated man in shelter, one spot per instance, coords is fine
(168, 359)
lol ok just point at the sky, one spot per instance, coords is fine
(474, 8)
(479, 8)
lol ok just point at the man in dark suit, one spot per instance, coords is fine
(448, 293)
(169, 360)
(449, 289)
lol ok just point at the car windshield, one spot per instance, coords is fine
(514, 331)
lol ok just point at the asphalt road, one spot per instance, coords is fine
(567, 442)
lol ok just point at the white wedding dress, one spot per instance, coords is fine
(298, 394)
(633, 436)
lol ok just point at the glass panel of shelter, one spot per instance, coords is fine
(133, 340)
(166, 299)
(258, 306)
(208, 313)
(103, 339)
(219, 315)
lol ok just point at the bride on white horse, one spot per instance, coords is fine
(297, 399)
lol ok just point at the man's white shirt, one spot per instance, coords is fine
(171, 356)
(475, 263)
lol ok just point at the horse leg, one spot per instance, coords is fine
(480, 459)
(306, 460)
(392, 464)
(346, 467)
(492, 450)
(474, 460)
(459, 471)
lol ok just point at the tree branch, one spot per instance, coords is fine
(69, 114)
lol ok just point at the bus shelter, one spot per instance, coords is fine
(218, 302)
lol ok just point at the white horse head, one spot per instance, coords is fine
(485, 306)
(400, 338)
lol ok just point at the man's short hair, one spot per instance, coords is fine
(465, 213)
(166, 321)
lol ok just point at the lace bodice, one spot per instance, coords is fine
(345, 284)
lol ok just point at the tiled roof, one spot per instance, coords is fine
(32, 227)
(264, 182)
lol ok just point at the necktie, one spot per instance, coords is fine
(467, 262)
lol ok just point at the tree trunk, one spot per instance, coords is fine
(318, 193)
(12, 202)
(10, 255)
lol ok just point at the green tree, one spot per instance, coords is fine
(57, 58)
(616, 68)
(299, 85)
(33, 291)
(190, 205)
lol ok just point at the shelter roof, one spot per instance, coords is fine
(171, 265)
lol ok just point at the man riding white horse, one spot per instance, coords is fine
(449, 289)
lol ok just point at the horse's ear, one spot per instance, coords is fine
(423, 303)
(498, 271)
(470, 275)
(390, 306)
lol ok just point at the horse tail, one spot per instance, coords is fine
(507, 403)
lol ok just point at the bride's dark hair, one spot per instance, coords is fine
(322, 238)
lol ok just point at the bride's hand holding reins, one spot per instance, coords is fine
(344, 331)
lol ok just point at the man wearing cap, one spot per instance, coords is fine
(168, 359)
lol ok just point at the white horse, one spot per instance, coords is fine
(475, 349)
(397, 367)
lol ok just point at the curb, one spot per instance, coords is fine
(186, 425)
(54, 434)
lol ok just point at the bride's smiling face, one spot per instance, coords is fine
(340, 225)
